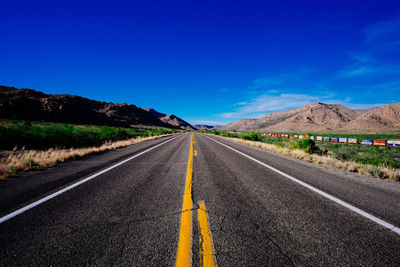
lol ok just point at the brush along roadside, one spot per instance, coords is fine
(24, 160)
(381, 172)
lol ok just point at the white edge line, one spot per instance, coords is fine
(42, 200)
(316, 190)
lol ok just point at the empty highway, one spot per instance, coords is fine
(195, 199)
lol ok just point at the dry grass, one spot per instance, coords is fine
(23, 160)
(347, 166)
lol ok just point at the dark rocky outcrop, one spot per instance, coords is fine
(28, 104)
(171, 119)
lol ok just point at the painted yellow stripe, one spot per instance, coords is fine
(184, 254)
(207, 256)
(195, 152)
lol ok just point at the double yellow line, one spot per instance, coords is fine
(184, 254)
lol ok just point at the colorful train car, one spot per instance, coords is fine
(352, 141)
(393, 143)
(379, 142)
(334, 140)
(367, 142)
(341, 140)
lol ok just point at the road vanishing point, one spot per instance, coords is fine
(197, 200)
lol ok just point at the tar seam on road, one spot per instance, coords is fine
(207, 255)
(322, 193)
(184, 253)
(40, 201)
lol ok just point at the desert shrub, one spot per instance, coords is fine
(251, 136)
(307, 145)
(280, 144)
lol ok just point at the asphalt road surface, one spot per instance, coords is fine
(252, 207)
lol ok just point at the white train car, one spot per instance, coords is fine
(393, 143)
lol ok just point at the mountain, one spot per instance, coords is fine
(28, 104)
(378, 118)
(203, 127)
(171, 119)
(320, 117)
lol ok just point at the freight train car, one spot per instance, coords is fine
(352, 141)
(393, 143)
(334, 139)
(367, 142)
(342, 140)
(379, 142)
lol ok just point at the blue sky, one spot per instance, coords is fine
(208, 62)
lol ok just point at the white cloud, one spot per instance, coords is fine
(267, 103)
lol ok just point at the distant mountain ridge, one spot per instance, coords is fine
(203, 126)
(29, 104)
(320, 117)
(171, 119)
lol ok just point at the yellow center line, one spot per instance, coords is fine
(207, 256)
(184, 254)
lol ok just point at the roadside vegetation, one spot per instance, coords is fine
(381, 162)
(35, 145)
(17, 134)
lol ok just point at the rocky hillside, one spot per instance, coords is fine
(171, 119)
(320, 117)
(28, 104)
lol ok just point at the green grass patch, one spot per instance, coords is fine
(42, 135)
(378, 156)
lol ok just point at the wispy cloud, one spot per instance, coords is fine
(365, 65)
(267, 103)
(390, 87)
(380, 36)
(384, 33)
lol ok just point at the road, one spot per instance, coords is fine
(129, 207)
